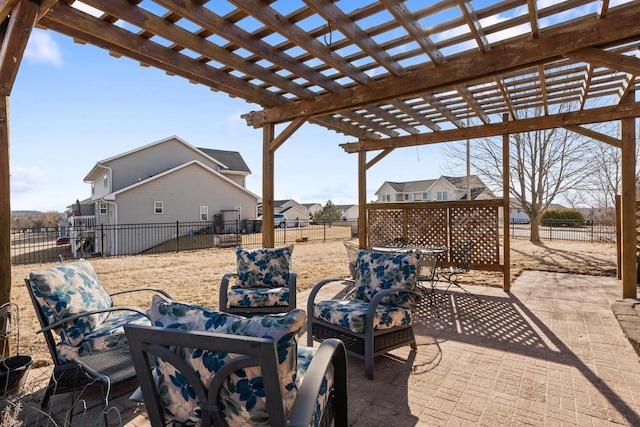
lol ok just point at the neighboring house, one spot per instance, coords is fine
(312, 208)
(168, 181)
(290, 208)
(516, 213)
(349, 212)
(440, 189)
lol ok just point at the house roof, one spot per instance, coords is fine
(412, 186)
(112, 196)
(231, 159)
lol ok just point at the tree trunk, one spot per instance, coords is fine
(535, 230)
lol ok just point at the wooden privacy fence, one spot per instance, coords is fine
(442, 223)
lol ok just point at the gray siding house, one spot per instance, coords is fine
(439, 189)
(165, 182)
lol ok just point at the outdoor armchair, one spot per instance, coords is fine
(262, 284)
(378, 316)
(200, 366)
(91, 346)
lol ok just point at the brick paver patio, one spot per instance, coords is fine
(549, 353)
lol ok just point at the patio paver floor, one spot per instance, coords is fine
(549, 353)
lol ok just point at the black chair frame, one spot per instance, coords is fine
(149, 342)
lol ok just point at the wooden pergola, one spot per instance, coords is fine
(387, 74)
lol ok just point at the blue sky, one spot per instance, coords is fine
(73, 105)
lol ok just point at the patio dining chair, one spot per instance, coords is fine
(200, 366)
(262, 284)
(378, 316)
(460, 258)
(91, 346)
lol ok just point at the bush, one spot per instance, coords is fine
(562, 218)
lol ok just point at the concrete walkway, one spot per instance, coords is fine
(549, 353)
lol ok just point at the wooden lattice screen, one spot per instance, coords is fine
(439, 224)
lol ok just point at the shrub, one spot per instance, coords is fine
(562, 218)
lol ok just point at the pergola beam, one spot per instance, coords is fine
(595, 115)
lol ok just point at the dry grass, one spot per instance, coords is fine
(195, 276)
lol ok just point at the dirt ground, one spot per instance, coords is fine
(195, 276)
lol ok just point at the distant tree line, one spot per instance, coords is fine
(36, 220)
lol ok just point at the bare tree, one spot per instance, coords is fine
(543, 165)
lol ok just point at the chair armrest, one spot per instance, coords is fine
(222, 294)
(375, 301)
(158, 290)
(330, 350)
(320, 284)
(88, 313)
(293, 285)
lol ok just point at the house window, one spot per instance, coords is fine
(442, 195)
(408, 197)
(426, 196)
(105, 180)
(204, 213)
(158, 208)
(103, 208)
(93, 188)
(386, 197)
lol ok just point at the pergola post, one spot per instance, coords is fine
(268, 181)
(628, 202)
(5, 204)
(362, 199)
(506, 242)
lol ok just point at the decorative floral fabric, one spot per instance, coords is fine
(242, 394)
(74, 288)
(305, 355)
(70, 289)
(350, 314)
(263, 268)
(377, 271)
(110, 334)
(258, 297)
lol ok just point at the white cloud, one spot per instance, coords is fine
(43, 49)
(25, 180)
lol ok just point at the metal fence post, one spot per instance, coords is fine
(177, 236)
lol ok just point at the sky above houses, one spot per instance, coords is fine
(73, 105)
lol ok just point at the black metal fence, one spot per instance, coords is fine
(43, 245)
(570, 231)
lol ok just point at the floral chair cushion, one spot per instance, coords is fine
(67, 290)
(110, 334)
(305, 355)
(258, 297)
(263, 268)
(242, 394)
(350, 314)
(377, 271)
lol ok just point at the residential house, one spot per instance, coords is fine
(312, 208)
(516, 213)
(165, 182)
(439, 189)
(291, 209)
(349, 212)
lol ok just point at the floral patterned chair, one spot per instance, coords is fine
(378, 316)
(70, 300)
(198, 366)
(262, 283)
